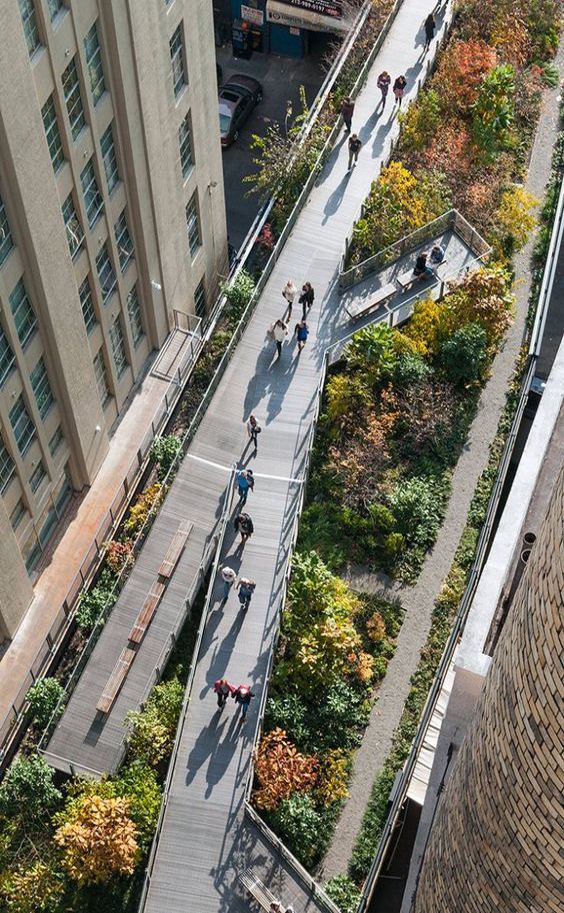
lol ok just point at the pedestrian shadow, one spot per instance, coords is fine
(204, 746)
(365, 131)
(331, 161)
(286, 369)
(335, 199)
(220, 759)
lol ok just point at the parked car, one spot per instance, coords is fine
(237, 98)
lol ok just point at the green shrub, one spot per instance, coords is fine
(299, 825)
(372, 351)
(494, 111)
(344, 893)
(43, 697)
(210, 358)
(420, 121)
(163, 452)
(418, 507)
(138, 783)
(94, 603)
(550, 75)
(28, 792)
(464, 355)
(238, 294)
(410, 369)
(152, 730)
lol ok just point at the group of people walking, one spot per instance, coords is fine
(278, 331)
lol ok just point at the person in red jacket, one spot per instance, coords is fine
(242, 696)
(223, 689)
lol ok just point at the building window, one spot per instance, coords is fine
(22, 425)
(109, 158)
(186, 146)
(123, 241)
(75, 234)
(176, 45)
(29, 20)
(41, 388)
(88, 312)
(193, 225)
(37, 477)
(134, 313)
(56, 441)
(92, 196)
(7, 467)
(200, 300)
(6, 242)
(55, 7)
(94, 61)
(106, 273)
(49, 116)
(101, 378)
(118, 346)
(73, 99)
(17, 514)
(7, 357)
(24, 315)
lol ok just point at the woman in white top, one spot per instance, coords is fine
(289, 292)
(279, 332)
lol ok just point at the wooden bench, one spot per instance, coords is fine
(115, 680)
(175, 548)
(357, 309)
(146, 612)
(254, 887)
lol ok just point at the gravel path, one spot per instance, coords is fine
(419, 599)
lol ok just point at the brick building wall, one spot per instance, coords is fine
(497, 839)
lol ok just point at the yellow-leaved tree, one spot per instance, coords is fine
(98, 840)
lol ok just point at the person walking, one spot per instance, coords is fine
(302, 332)
(222, 688)
(229, 577)
(429, 25)
(246, 588)
(279, 333)
(242, 696)
(289, 292)
(347, 110)
(253, 430)
(399, 89)
(306, 298)
(354, 149)
(383, 84)
(244, 525)
(245, 480)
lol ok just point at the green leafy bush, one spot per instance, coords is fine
(239, 293)
(95, 603)
(138, 783)
(299, 825)
(464, 355)
(494, 111)
(163, 452)
(410, 369)
(28, 792)
(152, 730)
(420, 121)
(43, 697)
(417, 505)
(372, 350)
(343, 892)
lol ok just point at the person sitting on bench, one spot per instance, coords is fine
(437, 255)
(421, 270)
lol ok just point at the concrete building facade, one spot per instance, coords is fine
(112, 227)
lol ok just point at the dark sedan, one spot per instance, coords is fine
(237, 98)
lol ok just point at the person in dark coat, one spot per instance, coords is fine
(354, 149)
(243, 696)
(429, 26)
(399, 89)
(244, 525)
(347, 110)
(306, 298)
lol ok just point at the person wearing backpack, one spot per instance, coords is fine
(246, 588)
(302, 332)
(306, 298)
(242, 696)
(244, 525)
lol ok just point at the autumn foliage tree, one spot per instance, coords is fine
(460, 72)
(99, 840)
(280, 770)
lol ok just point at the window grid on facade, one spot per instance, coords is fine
(41, 388)
(7, 467)
(23, 313)
(52, 133)
(7, 357)
(37, 477)
(75, 234)
(92, 196)
(56, 441)
(55, 7)
(29, 21)
(17, 514)
(135, 318)
(106, 273)
(6, 242)
(186, 146)
(109, 158)
(94, 62)
(118, 346)
(193, 225)
(176, 45)
(73, 99)
(88, 312)
(200, 299)
(101, 378)
(123, 241)
(22, 425)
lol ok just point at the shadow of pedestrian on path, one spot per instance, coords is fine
(335, 199)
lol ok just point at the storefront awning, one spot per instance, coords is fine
(297, 16)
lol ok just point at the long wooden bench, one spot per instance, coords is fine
(256, 889)
(146, 612)
(115, 680)
(381, 295)
(175, 548)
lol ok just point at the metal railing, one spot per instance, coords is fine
(548, 276)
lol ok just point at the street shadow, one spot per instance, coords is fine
(205, 745)
(335, 199)
(365, 131)
(220, 758)
(332, 160)
(285, 370)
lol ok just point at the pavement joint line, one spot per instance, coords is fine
(257, 475)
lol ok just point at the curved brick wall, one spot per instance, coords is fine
(499, 832)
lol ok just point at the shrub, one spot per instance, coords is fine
(357, 466)
(344, 893)
(299, 825)
(238, 293)
(461, 69)
(152, 730)
(43, 697)
(484, 296)
(420, 121)
(375, 627)
(372, 351)
(163, 452)
(348, 398)
(494, 111)
(137, 782)
(417, 505)
(426, 326)
(281, 770)
(94, 603)
(36, 889)
(426, 424)
(98, 840)
(514, 217)
(27, 792)
(333, 777)
(139, 513)
(464, 355)
(411, 369)
(119, 555)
